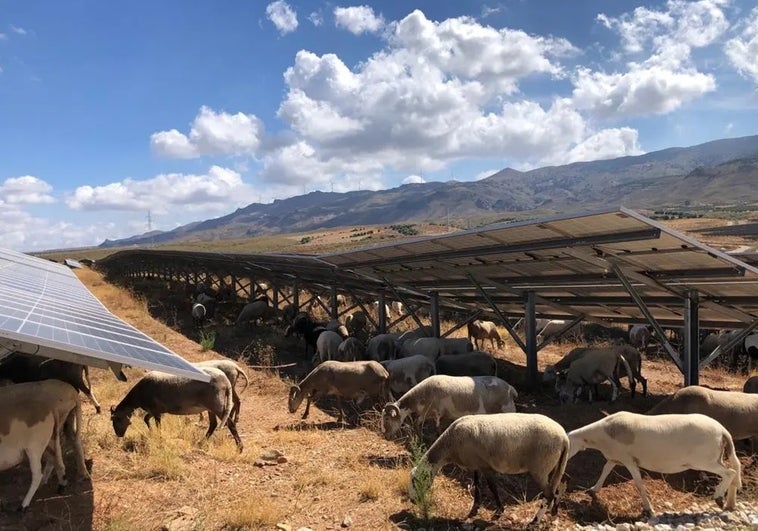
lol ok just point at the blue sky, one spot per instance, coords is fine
(192, 109)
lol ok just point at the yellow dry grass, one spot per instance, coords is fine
(151, 478)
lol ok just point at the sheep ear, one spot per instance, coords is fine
(113, 409)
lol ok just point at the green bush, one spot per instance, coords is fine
(305, 239)
(207, 340)
(423, 479)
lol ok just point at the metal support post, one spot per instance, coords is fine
(691, 339)
(296, 296)
(434, 312)
(382, 314)
(530, 335)
(335, 308)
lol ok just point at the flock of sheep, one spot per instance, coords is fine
(414, 377)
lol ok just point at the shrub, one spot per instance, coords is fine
(407, 229)
(305, 239)
(424, 478)
(207, 340)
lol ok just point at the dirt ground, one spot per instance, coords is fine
(330, 474)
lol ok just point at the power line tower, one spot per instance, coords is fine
(149, 222)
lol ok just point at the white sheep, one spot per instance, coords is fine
(505, 443)
(594, 367)
(344, 379)
(446, 398)
(480, 330)
(232, 372)
(663, 443)
(407, 372)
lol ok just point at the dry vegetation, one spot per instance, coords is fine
(151, 478)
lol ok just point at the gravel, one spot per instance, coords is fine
(698, 518)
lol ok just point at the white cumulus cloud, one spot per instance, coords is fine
(25, 190)
(218, 190)
(742, 51)
(358, 19)
(282, 16)
(212, 133)
(414, 179)
(316, 18)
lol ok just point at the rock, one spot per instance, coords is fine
(624, 527)
(347, 521)
(259, 463)
(283, 527)
(183, 519)
(282, 459)
(304, 529)
(271, 455)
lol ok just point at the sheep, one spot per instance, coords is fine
(157, 393)
(429, 347)
(232, 371)
(458, 345)
(639, 336)
(595, 367)
(383, 347)
(481, 330)
(288, 313)
(341, 300)
(351, 349)
(333, 325)
(252, 311)
(424, 331)
(310, 330)
(356, 322)
(634, 358)
(751, 385)
(446, 398)
(198, 315)
(397, 307)
(387, 310)
(327, 345)
(751, 349)
(505, 443)
(21, 368)
(737, 412)
(343, 379)
(552, 371)
(469, 364)
(407, 372)
(32, 416)
(663, 443)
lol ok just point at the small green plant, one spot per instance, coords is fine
(305, 239)
(423, 479)
(207, 340)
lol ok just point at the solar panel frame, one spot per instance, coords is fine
(44, 305)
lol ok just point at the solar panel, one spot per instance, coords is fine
(45, 309)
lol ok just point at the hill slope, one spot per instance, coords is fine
(716, 173)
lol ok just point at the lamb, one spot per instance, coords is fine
(158, 393)
(383, 347)
(663, 443)
(506, 443)
(344, 379)
(407, 372)
(481, 330)
(351, 349)
(327, 346)
(737, 412)
(232, 371)
(32, 415)
(469, 364)
(446, 398)
(595, 367)
(21, 368)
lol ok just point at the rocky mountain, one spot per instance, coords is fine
(721, 172)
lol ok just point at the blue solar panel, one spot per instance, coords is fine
(43, 303)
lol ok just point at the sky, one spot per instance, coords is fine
(115, 112)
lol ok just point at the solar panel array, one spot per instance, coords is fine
(43, 304)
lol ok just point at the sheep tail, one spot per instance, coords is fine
(558, 472)
(629, 373)
(247, 381)
(727, 444)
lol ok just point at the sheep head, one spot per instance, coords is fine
(121, 420)
(391, 420)
(295, 398)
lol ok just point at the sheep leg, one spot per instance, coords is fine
(35, 464)
(477, 496)
(307, 407)
(147, 418)
(637, 477)
(212, 424)
(87, 388)
(727, 482)
(89, 394)
(492, 484)
(339, 406)
(609, 465)
(235, 414)
(614, 390)
(233, 430)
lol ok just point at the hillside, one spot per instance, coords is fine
(722, 172)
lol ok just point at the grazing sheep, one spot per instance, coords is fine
(552, 371)
(288, 313)
(327, 345)
(198, 315)
(351, 349)
(424, 331)
(634, 358)
(457, 345)
(387, 310)
(356, 322)
(158, 393)
(397, 307)
(469, 364)
(429, 347)
(481, 330)
(304, 326)
(32, 416)
(663, 443)
(232, 371)
(446, 398)
(595, 367)
(333, 325)
(505, 443)
(344, 379)
(639, 336)
(253, 311)
(751, 385)
(383, 347)
(737, 412)
(751, 349)
(407, 372)
(21, 368)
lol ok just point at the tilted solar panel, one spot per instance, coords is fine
(43, 304)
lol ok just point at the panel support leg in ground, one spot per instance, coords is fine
(335, 306)
(434, 312)
(530, 334)
(691, 339)
(381, 312)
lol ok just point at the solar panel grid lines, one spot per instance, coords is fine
(44, 304)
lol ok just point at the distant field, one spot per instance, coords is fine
(717, 232)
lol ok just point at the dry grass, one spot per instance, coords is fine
(150, 478)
